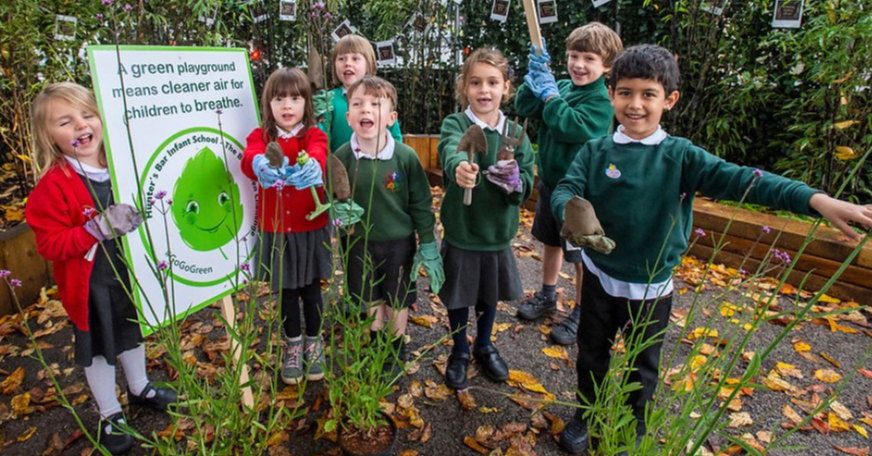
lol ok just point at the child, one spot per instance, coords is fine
(390, 184)
(292, 249)
(641, 181)
(71, 210)
(572, 112)
(479, 265)
(353, 58)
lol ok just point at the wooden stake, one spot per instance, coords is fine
(230, 317)
(533, 23)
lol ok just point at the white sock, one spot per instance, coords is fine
(101, 380)
(134, 369)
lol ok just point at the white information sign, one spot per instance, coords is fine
(788, 13)
(189, 112)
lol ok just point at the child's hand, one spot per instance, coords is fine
(466, 174)
(117, 220)
(266, 174)
(839, 213)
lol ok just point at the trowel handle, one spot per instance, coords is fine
(467, 196)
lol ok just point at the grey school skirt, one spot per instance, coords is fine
(293, 260)
(473, 276)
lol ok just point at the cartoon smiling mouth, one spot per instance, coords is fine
(214, 228)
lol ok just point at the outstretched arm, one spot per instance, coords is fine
(839, 213)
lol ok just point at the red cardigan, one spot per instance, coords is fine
(295, 204)
(56, 213)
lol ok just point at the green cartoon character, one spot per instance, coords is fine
(206, 205)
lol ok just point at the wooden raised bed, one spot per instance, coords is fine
(18, 254)
(821, 258)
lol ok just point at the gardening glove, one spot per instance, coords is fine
(581, 227)
(322, 103)
(537, 62)
(267, 175)
(428, 257)
(506, 175)
(543, 85)
(305, 175)
(346, 213)
(117, 220)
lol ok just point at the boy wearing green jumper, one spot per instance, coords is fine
(389, 182)
(642, 182)
(573, 111)
(353, 58)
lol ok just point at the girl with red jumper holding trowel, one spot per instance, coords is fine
(480, 268)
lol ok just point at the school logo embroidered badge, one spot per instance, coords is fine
(392, 181)
(613, 171)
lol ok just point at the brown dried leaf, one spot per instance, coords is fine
(470, 442)
(13, 382)
(856, 451)
(740, 419)
(467, 401)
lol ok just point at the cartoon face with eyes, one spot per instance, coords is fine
(206, 206)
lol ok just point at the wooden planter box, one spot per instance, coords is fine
(18, 254)
(820, 260)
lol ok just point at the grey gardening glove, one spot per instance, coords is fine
(506, 175)
(117, 220)
(428, 257)
(581, 227)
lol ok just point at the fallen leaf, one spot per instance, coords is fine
(832, 361)
(487, 410)
(13, 382)
(740, 419)
(865, 372)
(856, 451)
(439, 393)
(837, 424)
(424, 320)
(801, 346)
(470, 442)
(28, 433)
(556, 352)
(845, 153)
(843, 412)
(845, 124)
(467, 401)
(703, 332)
(788, 370)
(827, 375)
(861, 430)
(791, 414)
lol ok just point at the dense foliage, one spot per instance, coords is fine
(795, 101)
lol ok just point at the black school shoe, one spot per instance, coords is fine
(536, 306)
(455, 372)
(163, 397)
(574, 438)
(492, 363)
(112, 437)
(566, 333)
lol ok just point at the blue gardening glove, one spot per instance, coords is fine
(538, 62)
(266, 175)
(305, 175)
(428, 257)
(346, 213)
(543, 85)
(322, 103)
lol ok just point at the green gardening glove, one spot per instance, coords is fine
(322, 103)
(428, 257)
(346, 213)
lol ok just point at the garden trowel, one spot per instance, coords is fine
(274, 155)
(473, 142)
(582, 229)
(339, 179)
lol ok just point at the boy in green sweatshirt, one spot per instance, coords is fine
(642, 182)
(388, 185)
(573, 111)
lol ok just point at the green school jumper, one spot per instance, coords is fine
(643, 196)
(491, 221)
(579, 114)
(399, 191)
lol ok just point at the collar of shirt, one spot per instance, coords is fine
(482, 124)
(656, 138)
(93, 173)
(386, 153)
(289, 134)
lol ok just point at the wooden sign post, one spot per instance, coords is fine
(235, 351)
(533, 23)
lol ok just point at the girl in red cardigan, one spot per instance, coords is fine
(72, 212)
(292, 249)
